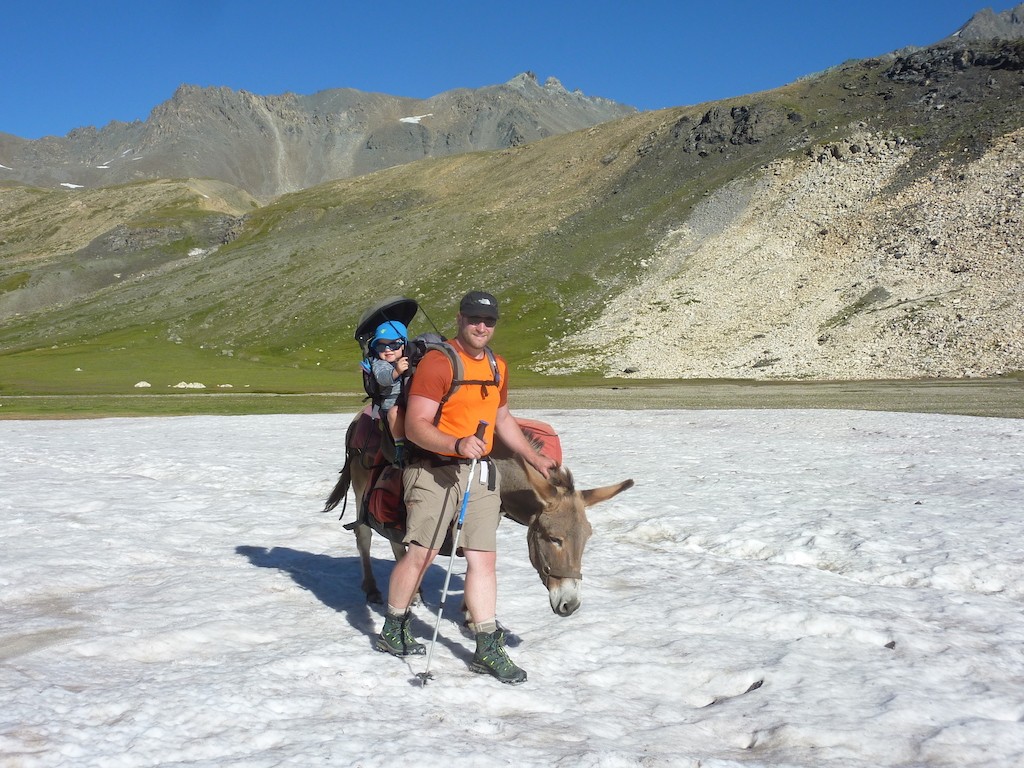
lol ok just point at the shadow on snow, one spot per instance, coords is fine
(334, 581)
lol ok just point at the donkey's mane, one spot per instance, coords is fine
(560, 477)
(535, 442)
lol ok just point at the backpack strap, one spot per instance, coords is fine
(458, 373)
(370, 386)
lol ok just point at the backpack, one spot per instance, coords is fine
(394, 309)
(415, 349)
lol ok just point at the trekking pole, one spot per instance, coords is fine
(425, 675)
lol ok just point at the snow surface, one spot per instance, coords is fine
(798, 588)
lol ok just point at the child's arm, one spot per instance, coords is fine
(384, 373)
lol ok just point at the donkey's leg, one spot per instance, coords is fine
(364, 535)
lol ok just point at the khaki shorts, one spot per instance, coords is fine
(433, 498)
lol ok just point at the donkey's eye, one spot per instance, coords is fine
(555, 540)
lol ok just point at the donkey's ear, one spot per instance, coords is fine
(597, 495)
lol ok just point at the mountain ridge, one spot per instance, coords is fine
(271, 145)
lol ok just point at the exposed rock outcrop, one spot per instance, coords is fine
(808, 272)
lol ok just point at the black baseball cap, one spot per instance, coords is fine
(479, 304)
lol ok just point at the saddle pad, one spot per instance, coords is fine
(367, 434)
(385, 503)
(542, 433)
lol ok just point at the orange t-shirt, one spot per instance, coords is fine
(470, 403)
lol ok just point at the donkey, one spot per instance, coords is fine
(552, 510)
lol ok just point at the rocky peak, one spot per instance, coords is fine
(986, 24)
(523, 80)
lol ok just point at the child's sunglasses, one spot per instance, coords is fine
(390, 346)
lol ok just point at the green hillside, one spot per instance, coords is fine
(191, 281)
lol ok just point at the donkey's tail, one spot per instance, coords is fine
(340, 492)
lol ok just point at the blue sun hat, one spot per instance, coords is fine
(390, 330)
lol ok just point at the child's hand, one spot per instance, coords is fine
(402, 364)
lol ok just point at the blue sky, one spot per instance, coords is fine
(87, 62)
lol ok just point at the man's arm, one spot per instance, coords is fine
(507, 428)
(419, 426)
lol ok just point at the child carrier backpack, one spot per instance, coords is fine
(403, 309)
(394, 309)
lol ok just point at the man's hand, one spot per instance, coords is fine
(472, 446)
(540, 462)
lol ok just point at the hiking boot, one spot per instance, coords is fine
(490, 658)
(396, 638)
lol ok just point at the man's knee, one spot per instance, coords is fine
(418, 555)
(478, 558)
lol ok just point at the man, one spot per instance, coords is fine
(435, 480)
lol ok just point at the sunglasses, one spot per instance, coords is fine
(389, 346)
(490, 322)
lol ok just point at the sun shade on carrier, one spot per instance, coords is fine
(397, 308)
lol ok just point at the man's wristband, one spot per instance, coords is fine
(457, 451)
